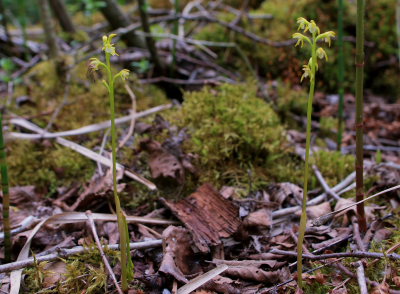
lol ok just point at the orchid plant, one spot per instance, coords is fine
(309, 71)
(94, 65)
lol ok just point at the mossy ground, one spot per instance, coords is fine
(285, 62)
(84, 272)
(44, 163)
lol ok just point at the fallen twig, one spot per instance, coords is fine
(358, 254)
(64, 253)
(103, 256)
(89, 154)
(25, 225)
(317, 200)
(323, 219)
(323, 183)
(85, 129)
(362, 283)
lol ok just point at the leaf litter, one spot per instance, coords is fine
(217, 241)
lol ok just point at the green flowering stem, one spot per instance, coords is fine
(126, 262)
(309, 71)
(6, 195)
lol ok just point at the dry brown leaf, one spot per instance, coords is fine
(286, 192)
(381, 289)
(318, 210)
(261, 217)
(342, 290)
(110, 230)
(382, 234)
(164, 166)
(396, 281)
(56, 273)
(256, 274)
(178, 254)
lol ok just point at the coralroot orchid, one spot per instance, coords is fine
(309, 72)
(95, 64)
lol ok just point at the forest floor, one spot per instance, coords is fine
(211, 184)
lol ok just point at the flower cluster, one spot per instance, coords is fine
(311, 26)
(109, 49)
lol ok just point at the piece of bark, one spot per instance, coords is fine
(207, 215)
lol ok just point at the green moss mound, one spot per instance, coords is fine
(46, 167)
(231, 131)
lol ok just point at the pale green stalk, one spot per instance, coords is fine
(126, 262)
(303, 219)
(120, 216)
(309, 71)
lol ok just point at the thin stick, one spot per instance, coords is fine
(89, 153)
(25, 225)
(356, 234)
(358, 254)
(85, 129)
(323, 183)
(64, 253)
(361, 278)
(331, 214)
(133, 120)
(103, 256)
(317, 200)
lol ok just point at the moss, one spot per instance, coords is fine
(46, 167)
(334, 165)
(49, 166)
(289, 101)
(231, 130)
(85, 273)
(285, 62)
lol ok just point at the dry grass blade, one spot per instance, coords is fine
(84, 130)
(201, 280)
(84, 151)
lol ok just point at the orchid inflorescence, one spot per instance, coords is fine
(312, 27)
(309, 71)
(108, 48)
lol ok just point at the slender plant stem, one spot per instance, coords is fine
(120, 215)
(6, 195)
(303, 219)
(359, 115)
(175, 32)
(340, 74)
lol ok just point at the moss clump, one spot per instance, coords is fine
(333, 165)
(231, 129)
(46, 167)
(84, 273)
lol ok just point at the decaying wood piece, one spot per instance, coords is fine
(207, 215)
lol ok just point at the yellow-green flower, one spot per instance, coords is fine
(109, 47)
(322, 54)
(124, 74)
(94, 64)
